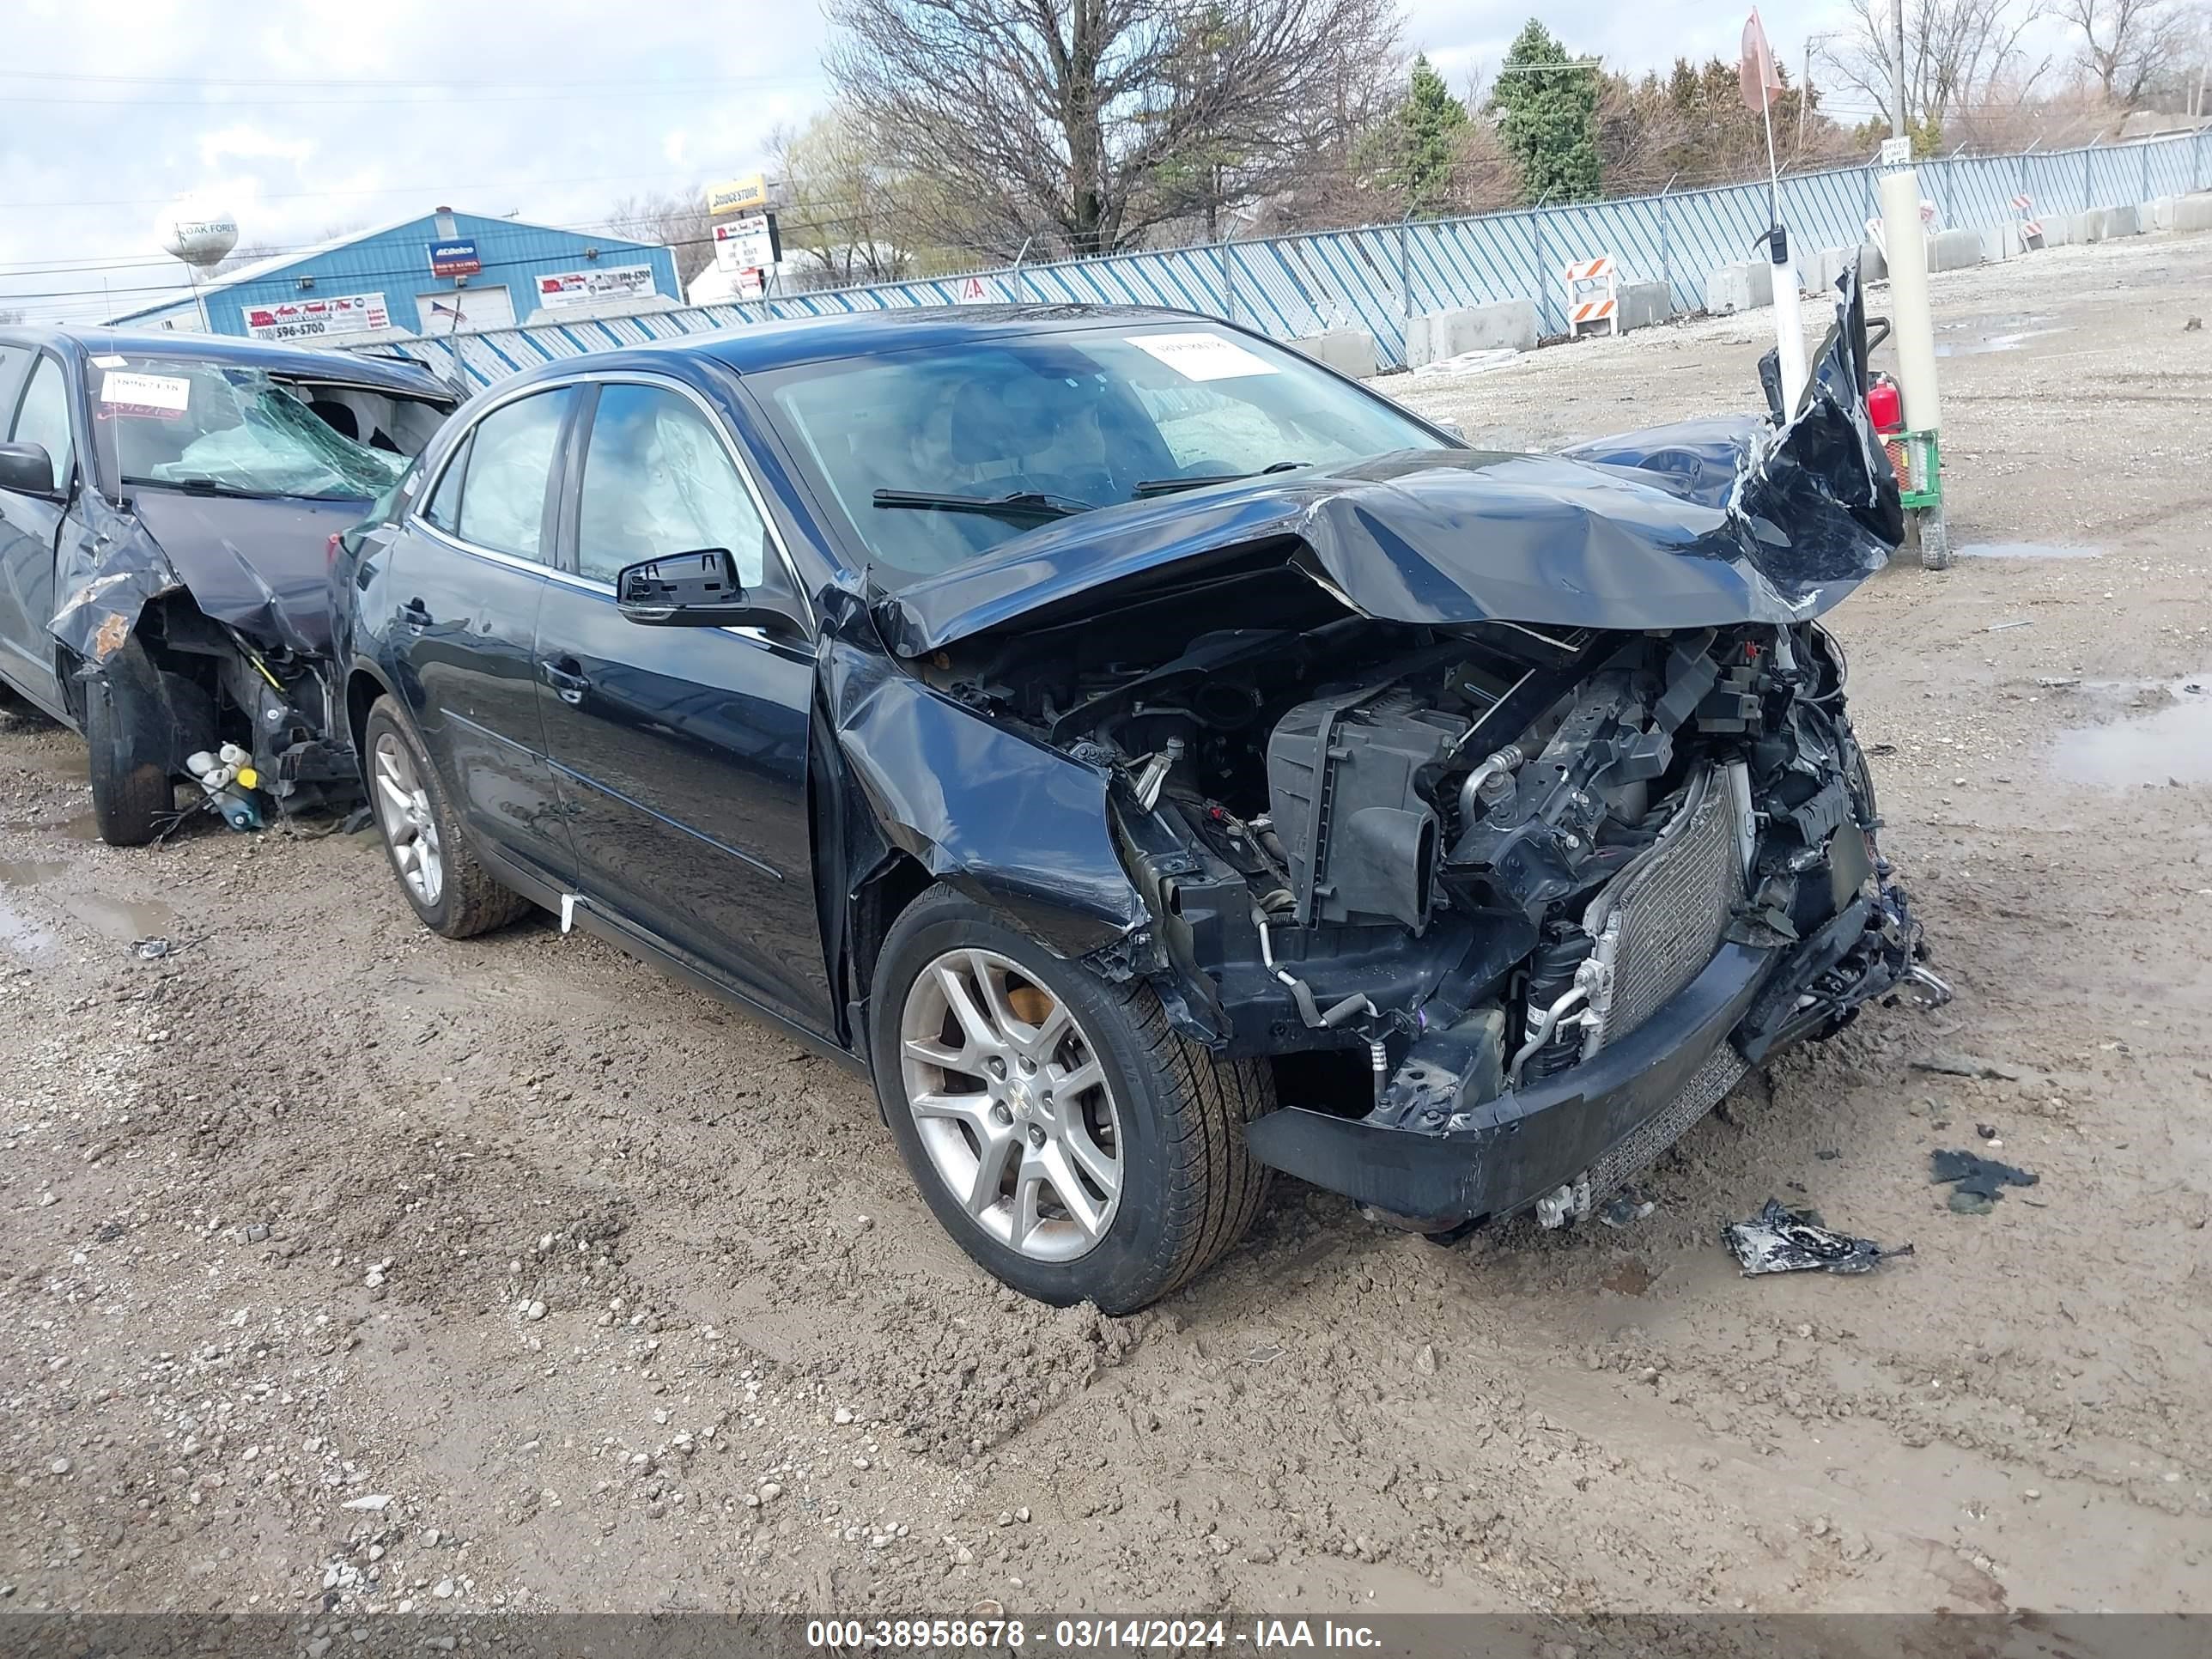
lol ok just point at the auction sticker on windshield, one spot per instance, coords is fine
(162, 397)
(1202, 356)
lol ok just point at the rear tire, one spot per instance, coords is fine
(1155, 1139)
(133, 796)
(433, 857)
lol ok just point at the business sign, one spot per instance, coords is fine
(747, 242)
(318, 318)
(456, 257)
(745, 194)
(582, 287)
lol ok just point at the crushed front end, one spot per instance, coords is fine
(1507, 805)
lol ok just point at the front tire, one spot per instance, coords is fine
(132, 794)
(1070, 1141)
(444, 882)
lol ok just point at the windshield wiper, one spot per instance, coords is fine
(198, 484)
(1021, 505)
(1149, 487)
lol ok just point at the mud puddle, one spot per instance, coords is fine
(1976, 337)
(104, 913)
(2170, 744)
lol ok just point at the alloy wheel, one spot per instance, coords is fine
(1012, 1103)
(410, 826)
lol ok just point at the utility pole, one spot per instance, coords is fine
(1897, 70)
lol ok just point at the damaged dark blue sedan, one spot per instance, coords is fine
(1155, 760)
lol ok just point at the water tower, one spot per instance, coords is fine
(200, 234)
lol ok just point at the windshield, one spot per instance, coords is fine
(918, 449)
(225, 429)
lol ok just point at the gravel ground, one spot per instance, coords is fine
(351, 1268)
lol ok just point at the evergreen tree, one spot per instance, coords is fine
(1547, 118)
(1429, 125)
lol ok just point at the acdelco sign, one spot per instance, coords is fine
(455, 257)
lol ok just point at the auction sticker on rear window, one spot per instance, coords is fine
(1202, 356)
(160, 396)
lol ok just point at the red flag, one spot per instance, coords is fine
(1761, 82)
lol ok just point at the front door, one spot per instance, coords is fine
(28, 527)
(681, 752)
(467, 582)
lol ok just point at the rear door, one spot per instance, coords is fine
(28, 527)
(466, 581)
(681, 752)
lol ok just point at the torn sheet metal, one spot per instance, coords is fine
(1646, 538)
(105, 578)
(1780, 1240)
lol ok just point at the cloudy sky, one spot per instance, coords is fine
(313, 115)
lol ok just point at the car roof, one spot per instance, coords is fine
(392, 374)
(755, 348)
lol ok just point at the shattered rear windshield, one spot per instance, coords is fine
(228, 430)
(1088, 418)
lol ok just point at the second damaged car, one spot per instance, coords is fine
(168, 503)
(1154, 759)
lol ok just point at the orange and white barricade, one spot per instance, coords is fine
(1593, 294)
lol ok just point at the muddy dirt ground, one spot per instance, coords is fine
(349, 1267)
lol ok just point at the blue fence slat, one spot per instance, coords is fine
(1378, 277)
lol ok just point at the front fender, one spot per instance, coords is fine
(1009, 821)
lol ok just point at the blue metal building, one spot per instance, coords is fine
(437, 274)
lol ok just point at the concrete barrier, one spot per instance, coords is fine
(2159, 214)
(2001, 242)
(1644, 304)
(1830, 263)
(1954, 250)
(2193, 212)
(1510, 325)
(1348, 350)
(1745, 287)
(2129, 220)
(2086, 227)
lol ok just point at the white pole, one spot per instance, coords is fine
(1912, 320)
(1789, 326)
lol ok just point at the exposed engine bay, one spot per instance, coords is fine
(1466, 858)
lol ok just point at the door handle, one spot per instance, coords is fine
(566, 675)
(415, 614)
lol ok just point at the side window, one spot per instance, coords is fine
(657, 480)
(15, 363)
(444, 509)
(43, 417)
(510, 463)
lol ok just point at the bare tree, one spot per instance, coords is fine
(2128, 45)
(840, 213)
(679, 222)
(1957, 54)
(1079, 126)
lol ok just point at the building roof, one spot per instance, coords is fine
(277, 264)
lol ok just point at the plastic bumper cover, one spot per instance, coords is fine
(1492, 1159)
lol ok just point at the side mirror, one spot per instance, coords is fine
(27, 470)
(687, 590)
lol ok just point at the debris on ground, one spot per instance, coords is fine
(1976, 1182)
(1999, 627)
(153, 949)
(1780, 1240)
(1629, 1203)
